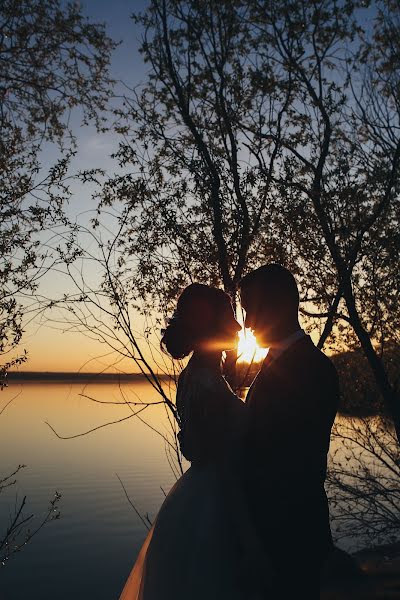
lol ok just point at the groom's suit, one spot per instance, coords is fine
(292, 405)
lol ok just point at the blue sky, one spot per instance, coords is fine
(116, 15)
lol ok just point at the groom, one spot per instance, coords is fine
(292, 404)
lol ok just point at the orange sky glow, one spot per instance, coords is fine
(51, 350)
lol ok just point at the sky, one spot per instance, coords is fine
(50, 346)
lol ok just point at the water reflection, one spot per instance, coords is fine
(89, 552)
(98, 535)
(363, 481)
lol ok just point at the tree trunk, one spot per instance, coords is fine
(331, 318)
(391, 401)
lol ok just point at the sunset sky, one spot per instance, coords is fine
(51, 347)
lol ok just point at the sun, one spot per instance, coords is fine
(248, 349)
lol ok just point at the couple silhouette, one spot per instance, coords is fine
(249, 519)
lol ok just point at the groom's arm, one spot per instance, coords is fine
(292, 416)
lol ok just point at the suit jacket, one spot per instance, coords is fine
(292, 405)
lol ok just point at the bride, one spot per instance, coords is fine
(202, 544)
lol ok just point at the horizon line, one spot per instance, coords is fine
(76, 374)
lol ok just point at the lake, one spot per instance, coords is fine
(90, 550)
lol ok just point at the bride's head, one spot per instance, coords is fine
(203, 320)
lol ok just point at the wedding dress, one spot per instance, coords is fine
(192, 551)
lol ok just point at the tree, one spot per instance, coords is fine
(363, 481)
(259, 135)
(18, 532)
(342, 159)
(195, 180)
(52, 60)
(253, 139)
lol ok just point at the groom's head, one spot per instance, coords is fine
(270, 298)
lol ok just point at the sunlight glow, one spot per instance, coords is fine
(248, 349)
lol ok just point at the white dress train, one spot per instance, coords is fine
(192, 552)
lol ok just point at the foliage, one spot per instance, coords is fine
(19, 360)
(342, 166)
(270, 131)
(196, 183)
(267, 132)
(359, 392)
(363, 481)
(21, 527)
(264, 135)
(51, 61)
(18, 532)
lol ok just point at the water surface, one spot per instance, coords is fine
(89, 551)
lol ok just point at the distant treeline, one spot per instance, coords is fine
(75, 377)
(358, 386)
(359, 393)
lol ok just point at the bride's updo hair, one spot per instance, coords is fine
(197, 317)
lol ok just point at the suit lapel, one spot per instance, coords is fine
(253, 386)
(269, 366)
